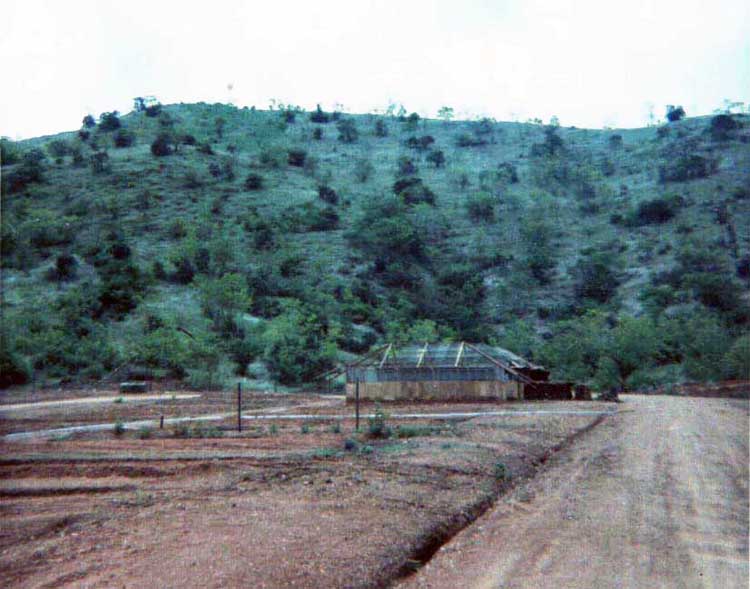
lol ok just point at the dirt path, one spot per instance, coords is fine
(657, 496)
(94, 400)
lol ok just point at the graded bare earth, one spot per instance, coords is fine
(282, 504)
(657, 496)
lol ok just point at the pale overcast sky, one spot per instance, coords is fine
(591, 62)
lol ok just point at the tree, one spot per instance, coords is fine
(540, 254)
(436, 157)
(445, 113)
(594, 277)
(88, 122)
(109, 121)
(675, 113)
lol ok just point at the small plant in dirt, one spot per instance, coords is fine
(274, 429)
(305, 428)
(325, 453)
(501, 472)
(351, 445)
(119, 428)
(366, 450)
(119, 400)
(181, 431)
(335, 428)
(414, 431)
(254, 182)
(145, 433)
(377, 425)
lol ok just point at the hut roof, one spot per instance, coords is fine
(443, 355)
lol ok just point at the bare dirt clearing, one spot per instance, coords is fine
(281, 505)
(655, 497)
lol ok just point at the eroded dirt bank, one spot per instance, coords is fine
(657, 496)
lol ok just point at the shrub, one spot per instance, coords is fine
(144, 433)
(481, 207)
(405, 167)
(153, 110)
(162, 145)
(615, 141)
(273, 157)
(377, 425)
(124, 138)
(14, 370)
(318, 116)
(30, 170)
(347, 130)
(65, 268)
(335, 428)
(436, 158)
(119, 428)
(469, 140)
(413, 191)
(722, 127)
(381, 129)
(88, 122)
(328, 194)
(594, 278)
(421, 143)
(675, 113)
(109, 121)
(205, 148)
(178, 228)
(305, 428)
(500, 472)
(318, 134)
(99, 162)
(188, 139)
(689, 167)
(655, 211)
(254, 182)
(296, 157)
(58, 148)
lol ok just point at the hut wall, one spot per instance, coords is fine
(561, 391)
(463, 390)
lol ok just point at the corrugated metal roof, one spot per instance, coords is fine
(444, 355)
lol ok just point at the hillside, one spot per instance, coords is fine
(203, 241)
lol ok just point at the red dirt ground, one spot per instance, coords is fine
(271, 507)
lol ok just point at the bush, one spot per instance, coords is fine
(88, 122)
(296, 157)
(319, 116)
(119, 428)
(328, 194)
(594, 278)
(99, 162)
(377, 425)
(273, 157)
(675, 113)
(254, 182)
(13, 369)
(405, 167)
(318, 134)
(655, 211)
(481, 207)
(722, 127)
(413, 191)
(162, 145)
(381, 129)
(436, 158)
(689, 167)
(65, 268)
(347, 130)
(30, 170)
(109, 121)
(124, 138)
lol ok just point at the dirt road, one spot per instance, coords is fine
(657, 496)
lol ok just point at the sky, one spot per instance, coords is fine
(591, 63)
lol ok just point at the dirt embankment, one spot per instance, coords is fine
(655, 497)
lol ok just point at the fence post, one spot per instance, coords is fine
(239, 406)
(356, 403)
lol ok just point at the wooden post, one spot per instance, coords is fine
(356, 404)
(239, 406)
(161, 422)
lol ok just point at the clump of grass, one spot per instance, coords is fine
(325, 452)
(119, 400)
(274, 429)
(350, 445)
(145, 433)
(335, 428)
(305, 428)
(414, 431)
(119, 428)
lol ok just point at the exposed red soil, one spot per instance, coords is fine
(262, 509)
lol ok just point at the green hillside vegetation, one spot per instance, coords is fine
(205, 241)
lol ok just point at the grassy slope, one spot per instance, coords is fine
(114, 199)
